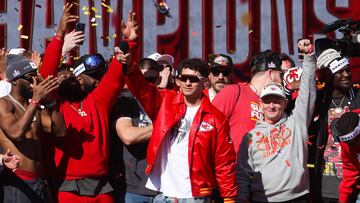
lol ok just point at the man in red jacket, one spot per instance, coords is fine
(347, 129)
(190, 150)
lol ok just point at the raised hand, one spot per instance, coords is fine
(35, 57)
(164, 74)
(123, 58)
(129, 30)
(305, 46)
(10, 160)
(42, 88)
(71, 40)
(66, 19)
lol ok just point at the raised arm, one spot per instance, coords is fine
(14, 127)
(52, 120)
(305, 103)
(52, 56)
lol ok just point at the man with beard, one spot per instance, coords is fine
(221, 68)
(336, 98)
(23, 121)
(82, 156)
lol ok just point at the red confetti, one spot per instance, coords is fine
(288, 163)
(322, 146)
(194, 34)
(309, 143)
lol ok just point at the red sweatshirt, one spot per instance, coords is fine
(350, 155)
(84, 151)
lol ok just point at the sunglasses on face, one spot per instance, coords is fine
(28, 78)
(216, 72)
(163, 66)
(191, 78)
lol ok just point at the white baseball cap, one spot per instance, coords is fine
(16, 51)
(273, 88)
(158, 57)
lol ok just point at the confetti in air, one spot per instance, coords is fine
(24, 37)
(163, 8)
(19, 27)
(245, 19)
(94, 9)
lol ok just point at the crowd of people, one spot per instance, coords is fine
(144, 130)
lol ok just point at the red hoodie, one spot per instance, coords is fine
(84, 151)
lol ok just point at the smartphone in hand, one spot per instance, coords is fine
(80, 27)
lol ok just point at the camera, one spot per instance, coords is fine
(349, 45)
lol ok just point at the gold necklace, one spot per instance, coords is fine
(338, 108)
(80, 111)
(20, 105)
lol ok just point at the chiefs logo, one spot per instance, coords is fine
(204, 126)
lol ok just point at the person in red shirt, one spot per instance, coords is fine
(347, 129)
(82, 156)
(240, 102)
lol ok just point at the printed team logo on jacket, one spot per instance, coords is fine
(255, 111)
(204, 126)
(273, 143)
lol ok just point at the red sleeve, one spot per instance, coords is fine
(350, 173)
(225, 100)
(112, 82)
(110, 86)
(225, 159)
(52, 57)
(148, 95)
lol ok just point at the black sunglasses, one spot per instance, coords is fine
(29, 79)
(191, 78)
(163, 66)
(216, 72)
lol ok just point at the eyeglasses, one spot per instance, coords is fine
(163, 66)
(28, 79)
(216, 72)
(191, 78)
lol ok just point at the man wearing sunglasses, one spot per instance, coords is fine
(221, 67)
(190, 151)
(167, 73)
(25, 122)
